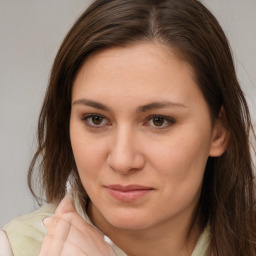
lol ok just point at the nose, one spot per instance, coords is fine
(125, 152)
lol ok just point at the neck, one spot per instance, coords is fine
(170, 238)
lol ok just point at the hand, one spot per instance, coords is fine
(69, 234)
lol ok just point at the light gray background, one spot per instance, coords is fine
(30, 34)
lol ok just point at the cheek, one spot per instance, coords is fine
(180, 162)
(88, 153)
(179, 171)
(89, 162)
(89, 158)
(180, 156)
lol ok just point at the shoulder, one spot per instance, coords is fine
(26, 233)
(5, 245)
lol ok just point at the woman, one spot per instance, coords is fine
(145, 121)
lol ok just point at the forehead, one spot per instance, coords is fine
(142, 71)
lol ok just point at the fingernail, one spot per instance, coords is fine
(46, 221)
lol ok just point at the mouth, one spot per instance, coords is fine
(128, 193)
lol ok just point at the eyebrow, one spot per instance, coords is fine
(91, 103)
(144, 108)
(156, 105)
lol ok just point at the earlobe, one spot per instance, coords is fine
(220, 135)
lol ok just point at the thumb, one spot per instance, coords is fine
(66, 206)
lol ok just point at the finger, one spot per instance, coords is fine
(67, 211)
(63, 238)
(51, 246)
(68, 227)
(47, 222)
(59, 238)
(65, 218)
(66, 206)
(58, 227)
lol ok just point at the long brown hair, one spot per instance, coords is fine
(227, 200)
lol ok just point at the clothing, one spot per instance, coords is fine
(26, 234)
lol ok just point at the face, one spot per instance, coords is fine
(141, 134)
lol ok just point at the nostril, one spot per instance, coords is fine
(126, 164)
(124, 154)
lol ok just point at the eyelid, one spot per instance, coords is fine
(167, 119)
(87, 116)
(170, 121)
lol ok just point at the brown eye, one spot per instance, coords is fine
(158, 121)
(97, 120)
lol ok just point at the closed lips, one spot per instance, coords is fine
(128, 187)
(127, 193)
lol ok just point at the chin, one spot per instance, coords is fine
(132, 226)
(128, 221)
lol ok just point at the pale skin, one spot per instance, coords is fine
(69, 234)
(138, 117)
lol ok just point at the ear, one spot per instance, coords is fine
(220, 135)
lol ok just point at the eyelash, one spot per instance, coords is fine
(168, 121)
(88, 121)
